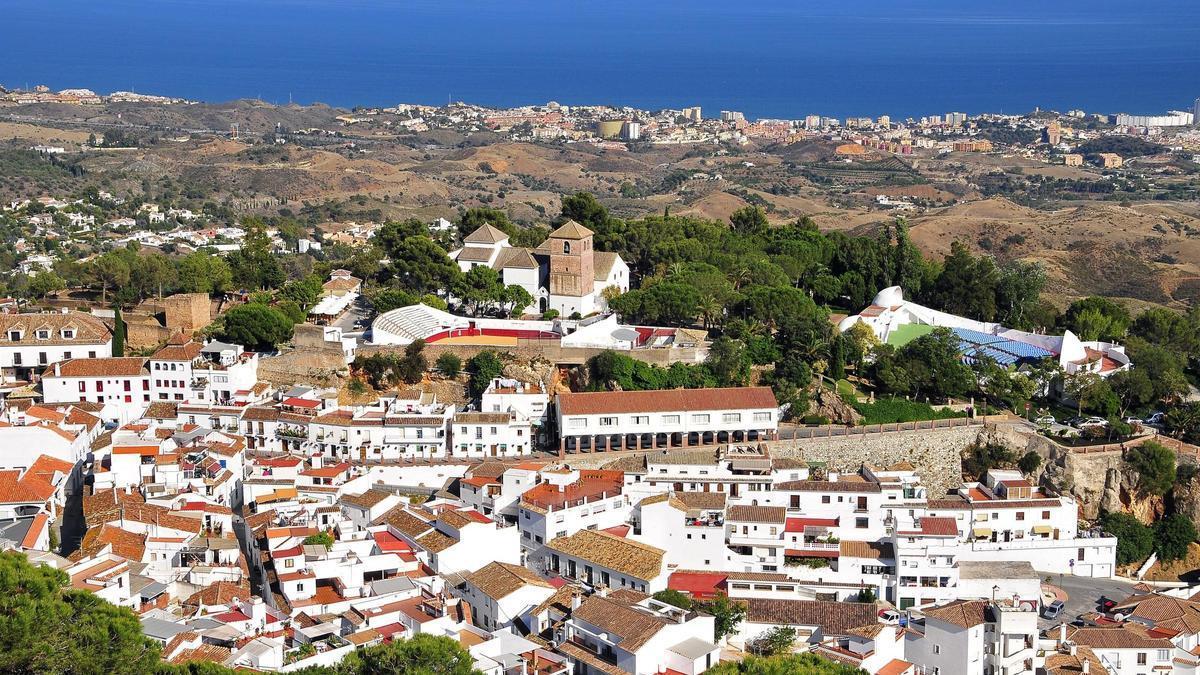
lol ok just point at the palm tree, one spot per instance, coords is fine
(740, 277)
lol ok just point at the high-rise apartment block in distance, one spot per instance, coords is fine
(693, 113)
(732, 116)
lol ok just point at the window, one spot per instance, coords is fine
(860, 523)
(731, 417)
(1020, 515)
(577, 422)
(66, 355)
(92, 354)
(608, 421)
(43, 335)
(937, 649)
(82, 386)
(641, 419)
(701, 418)
(566, 247)
(762, 417)
(1141, 658)
(670, 419)
(824, 499)
(42, 358)
(14, 335)
(68, 334)
(1045, 515)
(16, 359)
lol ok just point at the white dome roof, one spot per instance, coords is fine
(889, 297)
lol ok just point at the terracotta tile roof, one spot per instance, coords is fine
(592, 484)
(128, 545)
(16, 488)
(117, 366)
(1127, 635)
(1068, 664)
(633, 626)
(367, 499)
(178, 352)
(435, 542)
(829, 486)
(205, 652)
(866, 549)
(220, 593)
(936, 526)
(571, 230)
(260, 414)
(757, 514)
(702, 500)
(602, 263)
(89, 329)
(833, 618)
(332, 471)
(516, 258)
(405, 522)
(461, 518)
(498, 580)
(692, 400)
(961, 613)
(628, 557)
(485, 234)
(162, 410)
(482, 418)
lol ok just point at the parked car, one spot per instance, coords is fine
(891, 616)
(1089, 422)
(1045, 420)
(1132, 421)
(1052, 610)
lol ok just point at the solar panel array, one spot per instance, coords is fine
(974, 345)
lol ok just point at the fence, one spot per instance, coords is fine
(834, 430)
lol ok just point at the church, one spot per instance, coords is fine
(565, 273)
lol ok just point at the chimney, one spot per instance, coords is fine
(1073, 650)
(1085, 665)
(1062, 633)
(576, 600)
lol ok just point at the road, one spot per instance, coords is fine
(1082, 595)
(357, 310)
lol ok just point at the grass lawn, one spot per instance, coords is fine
(907, 333)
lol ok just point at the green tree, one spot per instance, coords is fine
(674, 597)
(259, 327)
(777, 640)
(1029, 462)
(749, 220)
(319, 539)
(1134, 540)
(109, 271)
(421, 266)
(1096, 318)
(387, 299)
(48, 627)
(483, 367)
(449, 364)
(728, 362)
(118, 339)
(254, 265)
(1132, 388)
(1154, 465)
(423, 654)
(583, 208)
(785, 664)
(1173, 536)
(45, 283)
(203, 273)
(727, 615)
(304, 292)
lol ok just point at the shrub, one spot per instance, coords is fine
(1155, 467)
(449, 364)
(1029, 462)
(674, 597)
(890, 411)
(1134, 540)
(1172, 537)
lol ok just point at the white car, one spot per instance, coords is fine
(1045, 420)
(1092, 422)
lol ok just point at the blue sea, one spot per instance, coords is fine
(768, 58)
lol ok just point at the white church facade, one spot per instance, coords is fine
(565, 273)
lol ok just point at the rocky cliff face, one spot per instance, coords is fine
(826, 403)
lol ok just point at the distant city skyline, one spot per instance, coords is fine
(768, 59)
